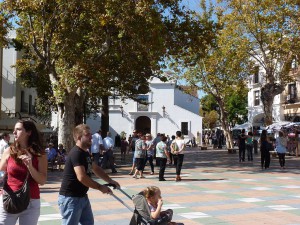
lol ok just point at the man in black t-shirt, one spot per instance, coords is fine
(73, 201)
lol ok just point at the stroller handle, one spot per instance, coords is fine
(111, 185)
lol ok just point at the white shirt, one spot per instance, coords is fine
(181, 145)
(96, 142)
(3, 145)
(108, 143)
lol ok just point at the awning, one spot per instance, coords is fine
(245, 126)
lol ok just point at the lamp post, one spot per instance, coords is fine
(164, 110)
(122, 111)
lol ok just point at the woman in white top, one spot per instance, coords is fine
(177, 149)
(281, 143)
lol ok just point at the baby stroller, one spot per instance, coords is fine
(141, 213)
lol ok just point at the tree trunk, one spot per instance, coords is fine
(67, 113)
(268, 92)
(225, 125)
(105, 116)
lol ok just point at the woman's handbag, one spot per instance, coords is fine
(16, 201)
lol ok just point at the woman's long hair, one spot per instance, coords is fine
(263, 136)
(34, 142)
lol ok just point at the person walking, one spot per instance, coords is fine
(170, 150)
(97, 146)
(265, 147)
(25, 157)
(124, 148)
(73, 201)
(108, 155)
(132, 141)
(249, 146)
(242, 145)
(149, 152)
(4, 142)
(162, 155)
(140, 155)
(281, 144)
(177, 149)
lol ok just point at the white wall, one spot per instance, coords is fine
(9, 80)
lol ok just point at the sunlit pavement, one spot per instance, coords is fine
(215, 189)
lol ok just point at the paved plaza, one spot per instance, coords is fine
(215, 189)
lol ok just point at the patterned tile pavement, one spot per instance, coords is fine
(215, 189)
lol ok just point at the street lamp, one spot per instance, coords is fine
(122, 111)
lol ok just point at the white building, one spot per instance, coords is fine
(286, 106)
(16, 101)
(169, 109)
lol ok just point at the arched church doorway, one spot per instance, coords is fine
(143, 123)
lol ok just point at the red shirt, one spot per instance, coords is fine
(17, 174)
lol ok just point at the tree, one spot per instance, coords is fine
(210, 119)
(236, 105)
(271, 29)
(81, 51)
(221, 71)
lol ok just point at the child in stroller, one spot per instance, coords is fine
(148, 208)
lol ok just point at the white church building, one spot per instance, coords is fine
(169, 109)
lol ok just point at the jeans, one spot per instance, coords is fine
(162, 167)
(75, 210)
(249, 152)
(281, 157)
(178, 160)
(265, 159)
(150, 158)
(242, 153)
(108, 157)
(96, 158)
(29, 216)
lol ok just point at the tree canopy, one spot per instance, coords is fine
(271, 30)
(77, 51)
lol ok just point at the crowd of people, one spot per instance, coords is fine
(26, 159)
(246, 143)
(163, 149)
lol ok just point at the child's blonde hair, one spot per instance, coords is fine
(150, 191)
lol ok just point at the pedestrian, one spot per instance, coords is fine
(265, 147)
(4, 142)
(281, 144)
(124, 148)
(249, 146)
(73, 200)
(61, 156)
(133, 139)
(140, 155)
(108, 155)
(162, 155)
(97, 146)
(177, 149)
(242, 145)
(51, 155)
(149, 152)
(170, 150)
(25, 157)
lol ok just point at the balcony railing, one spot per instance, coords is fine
(291, 98)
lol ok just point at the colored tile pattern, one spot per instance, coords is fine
(215, 189)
